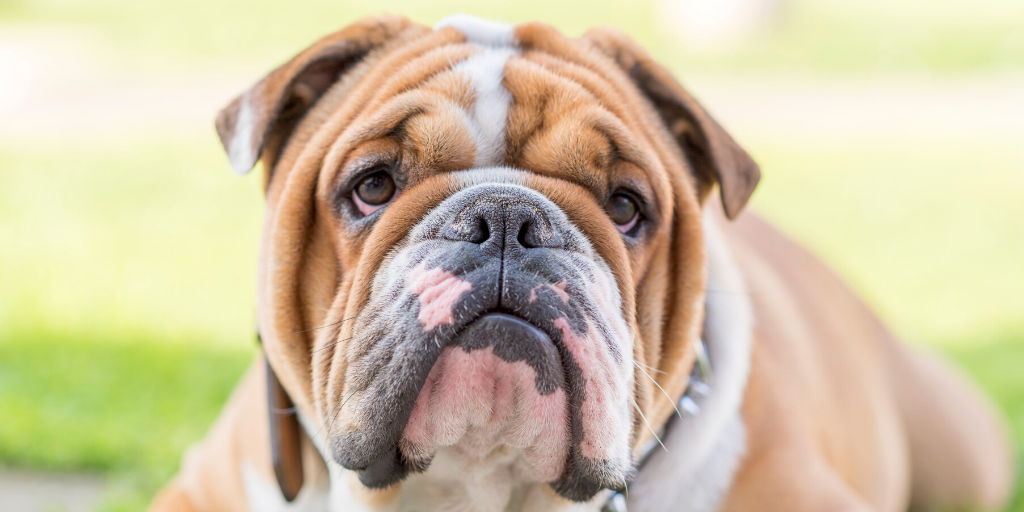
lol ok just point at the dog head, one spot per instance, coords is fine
(482, 237)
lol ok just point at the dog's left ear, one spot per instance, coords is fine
(715, 156)
(276, 103)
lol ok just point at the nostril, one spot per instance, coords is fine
(483, 232)
(522, 236)
(472, 227)
(535, 233)
(504, 223)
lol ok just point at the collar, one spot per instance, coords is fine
(698, 387)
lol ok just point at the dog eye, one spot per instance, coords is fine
(373, 192)
(623, 211)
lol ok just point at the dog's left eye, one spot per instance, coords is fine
(373, 192)
(623, 211)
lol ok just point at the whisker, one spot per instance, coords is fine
(651, 368)
(671, 401)
(330, 419)
(325, 347)
(655, 434)
(328, 325)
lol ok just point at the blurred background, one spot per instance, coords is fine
(890, 135)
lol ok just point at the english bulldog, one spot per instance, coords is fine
(503, 269)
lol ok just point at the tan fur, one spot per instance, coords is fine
(829, 397)
(209, 478)
(831, 400)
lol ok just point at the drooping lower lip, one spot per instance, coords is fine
(514, 339)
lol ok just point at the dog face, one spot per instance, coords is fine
(482, 238)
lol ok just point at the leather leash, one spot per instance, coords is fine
(285, 444)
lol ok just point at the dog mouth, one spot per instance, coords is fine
(500, 381)
(498, 377)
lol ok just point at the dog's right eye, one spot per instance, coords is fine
(623, 211)
(373, 192)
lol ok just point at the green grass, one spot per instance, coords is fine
(126, 407)
(127, 282)
(147, 233)
(929, 232)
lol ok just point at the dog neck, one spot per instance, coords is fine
(696, 469)
(692, 471)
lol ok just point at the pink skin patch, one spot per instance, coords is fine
(558, 288)
(602, 434)
(479, 396)
(438, 290)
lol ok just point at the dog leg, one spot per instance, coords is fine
(959, 448)
(791, 480)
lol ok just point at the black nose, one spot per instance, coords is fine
(505, 221)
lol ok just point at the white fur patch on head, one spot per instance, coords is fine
(480, 31)
(485, 70)
(241, 153)
(488, 115)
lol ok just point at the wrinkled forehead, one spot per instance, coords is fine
(504, 95)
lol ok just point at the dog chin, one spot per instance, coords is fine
(501, 384)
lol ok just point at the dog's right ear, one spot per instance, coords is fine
(282, 97)
(715, 156)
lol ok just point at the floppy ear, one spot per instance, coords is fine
(275, 104)
(258, 122)
(714, 155)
